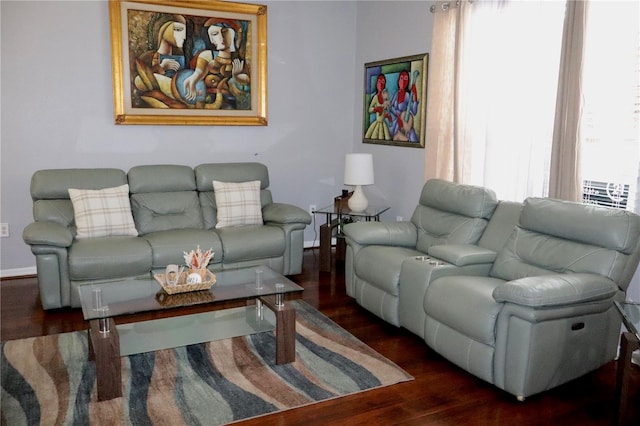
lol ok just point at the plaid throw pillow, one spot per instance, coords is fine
(102, 212)
(238, 203)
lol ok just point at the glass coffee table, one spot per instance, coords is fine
(102, 302)
(334, 219)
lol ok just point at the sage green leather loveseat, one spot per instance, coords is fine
(174, 210)
(519, 294)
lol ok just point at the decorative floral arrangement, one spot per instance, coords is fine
(197, 259)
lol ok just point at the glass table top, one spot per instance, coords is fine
(143, 294)
(370, 211)
(630, 316)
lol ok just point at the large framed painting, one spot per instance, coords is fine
(395, 107)
(197, 62)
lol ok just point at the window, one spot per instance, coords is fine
(509, 70)
(509, 83)
(611, 88)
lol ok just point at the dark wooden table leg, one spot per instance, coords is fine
(92, 353)
(285, 334)
(325, 248)
(285, 330)
(628, 344)
(105, 349)
(341, 248)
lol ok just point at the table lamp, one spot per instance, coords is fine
(358, 171)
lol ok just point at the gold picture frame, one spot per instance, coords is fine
(196, 62)
(395, 101)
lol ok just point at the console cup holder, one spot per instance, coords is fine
(430, 260)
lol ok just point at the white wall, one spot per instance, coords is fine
(386, 31)
(57, 106)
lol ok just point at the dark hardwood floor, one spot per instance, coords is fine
(441, 393)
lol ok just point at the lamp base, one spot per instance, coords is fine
(358, 202)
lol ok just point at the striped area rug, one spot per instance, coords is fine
(48, 380)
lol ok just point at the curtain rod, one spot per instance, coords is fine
(445, 6)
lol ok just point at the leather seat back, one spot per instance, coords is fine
(230, 172)
(502, 223)
(556, 236)
(164, 197)
(50, 191)
(451, 213)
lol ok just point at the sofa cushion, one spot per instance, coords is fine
(528, 254)
(228, 172)
(465, 304)
(102, 212)
(380, 266)
(54, 184)
(164, 197)
(238, 203)
(550, 240)
(452, 213)
(57, 211)
(251, 242)
(436, 227)
(464, 200)
(109, 257)
(210, 210)
(163, 211)
(502, 223)
(168, 247)
(614, 229)
(205, 174)
(50, 190)
(161, 178)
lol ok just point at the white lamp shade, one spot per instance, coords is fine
(358, 169)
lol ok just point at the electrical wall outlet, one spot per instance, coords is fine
(312, 208)
(4, 229)
(399, 218)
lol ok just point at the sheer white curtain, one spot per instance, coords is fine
(497, 116)
(610, 126)
(441, 142)
(565, 180)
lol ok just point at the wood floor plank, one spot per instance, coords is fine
(441, 394)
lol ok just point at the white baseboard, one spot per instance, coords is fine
(18, 272)
(316, 243)
(310, 244)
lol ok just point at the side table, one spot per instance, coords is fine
(335, 216)
(629, 342)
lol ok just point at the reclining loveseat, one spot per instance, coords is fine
(157, 212)
(518, 294)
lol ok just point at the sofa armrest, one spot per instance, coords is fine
(402, 234)
(47, 233)
(555, 290)
(292, 220)
(463, 254)
(285, 213)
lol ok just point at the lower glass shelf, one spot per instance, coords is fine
(164, 333)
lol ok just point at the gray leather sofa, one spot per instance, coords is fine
(174, 209)
(518, 294)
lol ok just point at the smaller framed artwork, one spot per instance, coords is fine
(395, 95)
(189, 62)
